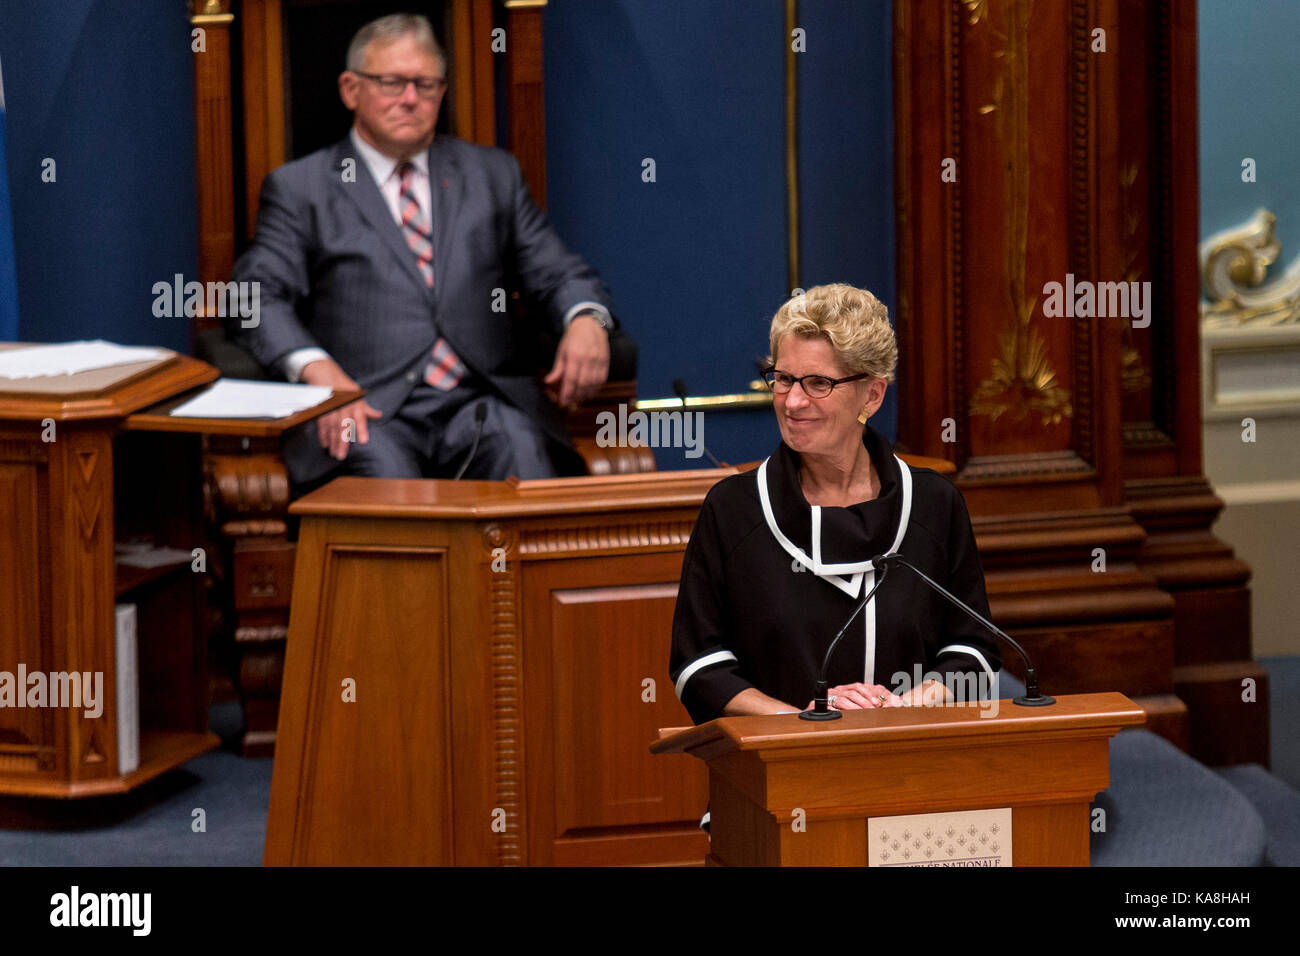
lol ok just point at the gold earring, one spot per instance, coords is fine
(863, 416)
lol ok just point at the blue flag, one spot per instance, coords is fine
(8, 270)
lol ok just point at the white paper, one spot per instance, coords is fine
(239, 398)
(128, 690)
(68, 358)
(152, 557)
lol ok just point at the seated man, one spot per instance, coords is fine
(384, 262)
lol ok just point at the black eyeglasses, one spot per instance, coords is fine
(391, 84)
(814, 386)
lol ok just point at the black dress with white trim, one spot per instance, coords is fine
(768, 580)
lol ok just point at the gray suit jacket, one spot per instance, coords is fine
(336, 272)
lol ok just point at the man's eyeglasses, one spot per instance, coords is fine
(814, 386)
(392, 85)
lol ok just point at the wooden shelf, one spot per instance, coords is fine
(160, 751)
(67, 504)
(158, 418)
(128, 577)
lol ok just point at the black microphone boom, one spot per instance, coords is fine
(1032, 697)
(821, 710)
(679, 389)
(480, 416)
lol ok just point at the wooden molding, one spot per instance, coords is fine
(526, 100)
(262, 75)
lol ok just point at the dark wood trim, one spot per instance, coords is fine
(213, 149)
(526, 100)
(262, 72)
(473, 71)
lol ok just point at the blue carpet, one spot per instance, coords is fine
(1277, 803)
(152, 825)
(1165, 809)
(1284, 714)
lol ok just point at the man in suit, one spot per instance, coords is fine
(385, 262)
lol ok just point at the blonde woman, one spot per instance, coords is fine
(781, 556)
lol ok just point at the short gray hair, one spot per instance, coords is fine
(389, 29)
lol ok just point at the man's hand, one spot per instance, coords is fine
(581, 361)
(331, 428)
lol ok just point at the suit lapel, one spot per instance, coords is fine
(365, 194)
(447, 187)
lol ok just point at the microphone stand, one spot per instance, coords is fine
(1032, 697)
(821, 710)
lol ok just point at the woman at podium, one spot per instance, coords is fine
(781, 557)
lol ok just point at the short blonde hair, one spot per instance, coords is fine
(854, 321)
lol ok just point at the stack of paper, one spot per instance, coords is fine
(127, 670)
(69, 358)
(237, 398)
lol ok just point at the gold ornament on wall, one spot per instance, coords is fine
(1021, 380)
(1234, 263)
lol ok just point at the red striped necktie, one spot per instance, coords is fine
(445, 370)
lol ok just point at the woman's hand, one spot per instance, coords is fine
(930, 694)
(861, 697)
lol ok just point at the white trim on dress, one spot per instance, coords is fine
(973, 652)
(863, 575)
(689, 671)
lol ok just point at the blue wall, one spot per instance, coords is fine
(1247, 90)
(697, 259)
(106, 89)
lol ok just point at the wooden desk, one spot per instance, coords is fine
(85, 461)
(498, 640)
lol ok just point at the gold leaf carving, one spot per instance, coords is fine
(977, 10)
(1021, 379)
(1134, 376)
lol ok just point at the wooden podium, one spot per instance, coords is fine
(89, 460)
(790, 792)
(473, 669)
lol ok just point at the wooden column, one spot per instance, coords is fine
(213, 149)
(525, 81)
(262, 73)
(473, 71)
(1026, 155)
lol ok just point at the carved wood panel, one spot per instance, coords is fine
(1000, 152)
(398, 628)
(27, 735)
(1046, 170)
(601, 628)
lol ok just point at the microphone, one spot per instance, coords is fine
(1032, 697)
(480, 416)
(679, 389)
(821, 711)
